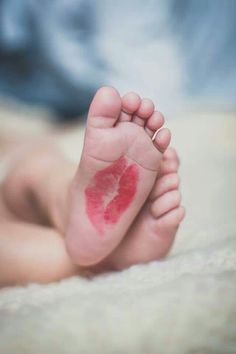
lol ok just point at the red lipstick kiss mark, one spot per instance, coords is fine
(110, 193)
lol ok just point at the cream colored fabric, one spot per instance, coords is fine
(184, 304)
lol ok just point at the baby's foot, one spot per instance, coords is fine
(154, 229)
(117, 170)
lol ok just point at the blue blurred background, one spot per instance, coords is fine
(56, 53)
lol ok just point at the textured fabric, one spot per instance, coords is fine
(183, 304)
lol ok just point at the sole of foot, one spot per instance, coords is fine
(123, 148)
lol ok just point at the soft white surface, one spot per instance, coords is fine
(184, 304)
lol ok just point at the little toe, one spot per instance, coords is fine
(105, 108)
(165, 203)
(162, 139)
(145, 110)
(165, 184)
(154, 123)
(130, 103)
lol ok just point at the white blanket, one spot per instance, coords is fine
(183, 304)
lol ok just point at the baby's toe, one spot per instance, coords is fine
(162, 139)
(171, 219)
(144, 112)
(130, 104)
(165, 203)
(170, 162)
(105, 108)
(155, 122)
(165, 184)
(166, 227)
(171, 154)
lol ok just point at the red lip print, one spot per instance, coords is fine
(110, 193)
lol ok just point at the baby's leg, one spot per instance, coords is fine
(36, 187)
(32, 253)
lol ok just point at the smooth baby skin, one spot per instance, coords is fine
(118, 167)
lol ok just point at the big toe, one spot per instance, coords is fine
(105, 108)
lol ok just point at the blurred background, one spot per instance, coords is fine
(55, 54)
